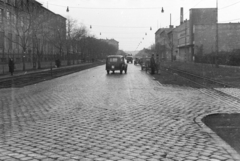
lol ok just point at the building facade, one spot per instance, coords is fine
(198, 35)
(113, 42)
(29, 31)
(165, 43)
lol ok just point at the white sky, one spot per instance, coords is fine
(127, 21)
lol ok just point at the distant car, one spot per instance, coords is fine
(116, 62)
(129, 59)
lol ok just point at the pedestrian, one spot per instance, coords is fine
(57, 63)
(11, 65)
(152, 64)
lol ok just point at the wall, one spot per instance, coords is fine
(201, 24)
(204, 39)
(203, 16)
(229, 36)
(183, 34)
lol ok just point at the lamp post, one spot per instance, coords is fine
(158, 52)
(4, 21)
(216, 55)
(68, 43)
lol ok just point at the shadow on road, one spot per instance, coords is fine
(226, 126)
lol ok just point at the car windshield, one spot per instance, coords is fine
(119, 80)
(113, 59)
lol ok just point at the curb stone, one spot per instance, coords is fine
(219, 140)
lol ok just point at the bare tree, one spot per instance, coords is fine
(57, 35)
(78, 34)
(25, 26)
(39, 35)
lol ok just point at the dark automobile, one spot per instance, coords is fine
(129, 59)
(116, 62)
(145, 63)
(136, 61)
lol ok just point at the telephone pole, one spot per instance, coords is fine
(216, 55)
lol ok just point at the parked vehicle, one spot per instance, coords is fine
(145, 63)
(129, 59)
(136, 61)
(116, 62)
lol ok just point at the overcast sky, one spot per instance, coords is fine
(128, 21)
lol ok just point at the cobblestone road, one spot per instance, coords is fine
(91, 116)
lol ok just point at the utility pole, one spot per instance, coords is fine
(4, 30)
(171, 41)
(216, 55)
(185, 39)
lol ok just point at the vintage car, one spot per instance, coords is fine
(145, 63)
(129, 59)
(136, 61)
(116, 62)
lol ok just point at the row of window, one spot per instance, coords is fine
(11, 18)
(9, 39)
(13, 40)
(10, 2)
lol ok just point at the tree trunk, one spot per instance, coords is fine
(23, 59)
(39, 59)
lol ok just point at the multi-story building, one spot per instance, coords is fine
(29, 32)
(113, 42)
(198, 35)
(165, 48)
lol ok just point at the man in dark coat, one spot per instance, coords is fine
(152, 64)
(11, 66)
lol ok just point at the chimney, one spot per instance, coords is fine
(181, 16)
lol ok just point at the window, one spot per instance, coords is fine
(113, 59)
(14, 2)
(9, 40)
(8, 17)
(1, 39)
(1, 15)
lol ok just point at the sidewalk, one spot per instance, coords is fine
(45, 66)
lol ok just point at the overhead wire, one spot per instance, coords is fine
(139, 9)
(129, 8)
(229, 5)
(106, 7)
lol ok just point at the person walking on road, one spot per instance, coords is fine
(11, 65)
(152, 64)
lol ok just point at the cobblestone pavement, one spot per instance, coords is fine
(92, 116)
